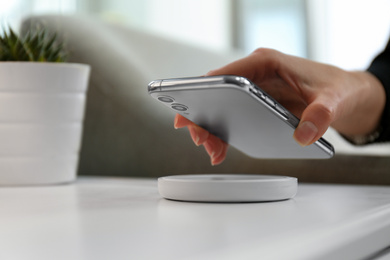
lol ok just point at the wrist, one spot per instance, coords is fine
(364, 106)
(364, 139)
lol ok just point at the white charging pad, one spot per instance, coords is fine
(227, 187)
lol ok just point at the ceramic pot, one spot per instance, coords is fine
(41, 119)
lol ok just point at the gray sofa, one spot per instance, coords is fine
(126, 133)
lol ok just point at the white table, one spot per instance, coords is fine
(125, 218)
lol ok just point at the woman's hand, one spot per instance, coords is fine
(320, 95)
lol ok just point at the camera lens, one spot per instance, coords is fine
(179, 107)
(166, 99)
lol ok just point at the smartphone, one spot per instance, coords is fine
(240, 113)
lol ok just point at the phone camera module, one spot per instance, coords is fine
(166, 99)
(179, 107)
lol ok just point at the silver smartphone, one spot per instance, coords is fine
(240, 113)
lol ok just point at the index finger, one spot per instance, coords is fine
(259, 65)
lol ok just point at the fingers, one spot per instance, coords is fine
(219, 159)
(181, 121)
(316, 119)
(306, 133)
(258, 66)
(198, 134)
(215, 147)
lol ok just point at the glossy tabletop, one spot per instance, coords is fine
(125, 218)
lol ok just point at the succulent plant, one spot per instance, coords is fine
(37, 45)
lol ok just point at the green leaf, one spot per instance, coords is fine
(36, 45)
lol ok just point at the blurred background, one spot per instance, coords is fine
(195, 36)
(346, 33)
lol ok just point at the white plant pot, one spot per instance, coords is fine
(41, 115)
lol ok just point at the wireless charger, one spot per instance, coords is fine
(227, 187)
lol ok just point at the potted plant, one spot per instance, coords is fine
(42, 101)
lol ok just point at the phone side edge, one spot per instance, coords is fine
(154, 86)
(325, 146)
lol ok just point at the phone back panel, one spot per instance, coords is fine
(231, 110)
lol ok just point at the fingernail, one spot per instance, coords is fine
(196, 139)
(212, 156)
(305, 133)
(194, 135)
(209, 150)
(175, 123)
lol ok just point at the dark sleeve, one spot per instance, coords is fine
(380, 67)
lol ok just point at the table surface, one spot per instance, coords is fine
(125, 218)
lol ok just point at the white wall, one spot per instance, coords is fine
(13, 11)
(199, 22)
(348, 33)
(276, 24)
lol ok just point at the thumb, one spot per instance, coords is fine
(316, 119)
